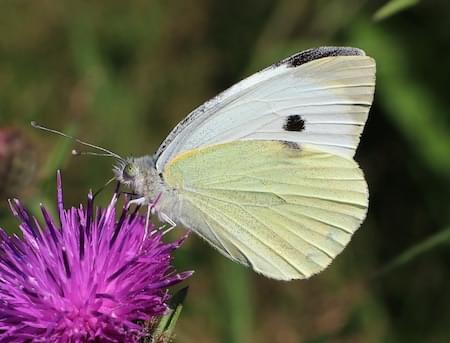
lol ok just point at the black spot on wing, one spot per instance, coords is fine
(294, 123)
(317, 53)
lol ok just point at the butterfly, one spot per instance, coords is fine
(264, 171)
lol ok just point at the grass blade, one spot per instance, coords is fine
(440, 238)
(393, 7)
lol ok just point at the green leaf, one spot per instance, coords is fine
(236, 303)
(393, 7)
(164, 329)
(176, 305)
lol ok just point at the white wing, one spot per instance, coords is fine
(320, 96)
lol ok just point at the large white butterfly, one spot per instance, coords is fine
(264, 172)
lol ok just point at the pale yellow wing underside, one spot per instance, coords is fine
(283, 209)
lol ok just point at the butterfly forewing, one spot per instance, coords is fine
(319, 97)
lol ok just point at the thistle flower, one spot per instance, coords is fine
(87, 277)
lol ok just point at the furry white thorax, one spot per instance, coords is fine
(143, 179)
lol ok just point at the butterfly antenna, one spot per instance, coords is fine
(76, 152)
(106, 152)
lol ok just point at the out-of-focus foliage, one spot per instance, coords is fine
(392, 7)
(18, 162)
(122, 74)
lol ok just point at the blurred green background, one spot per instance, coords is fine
(122, 74)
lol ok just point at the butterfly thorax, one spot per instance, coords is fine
(141, 176)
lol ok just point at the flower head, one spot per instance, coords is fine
(86, 277)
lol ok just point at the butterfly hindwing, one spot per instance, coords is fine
(285, 209)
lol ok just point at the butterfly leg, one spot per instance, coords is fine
(139, 201)
(169, 221)
(147, 220)
(151, 210)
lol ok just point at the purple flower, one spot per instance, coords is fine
(87, 277)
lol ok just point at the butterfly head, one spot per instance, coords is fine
(139, 174)
(126, 171)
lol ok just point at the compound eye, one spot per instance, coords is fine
(129, 172)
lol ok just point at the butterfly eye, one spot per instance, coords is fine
(129, 172)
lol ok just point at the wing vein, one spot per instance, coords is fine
(242, 242)
(288, 243)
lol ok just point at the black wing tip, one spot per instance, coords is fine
(317, 53)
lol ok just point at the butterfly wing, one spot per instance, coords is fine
(320, 96)
(284, 209)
